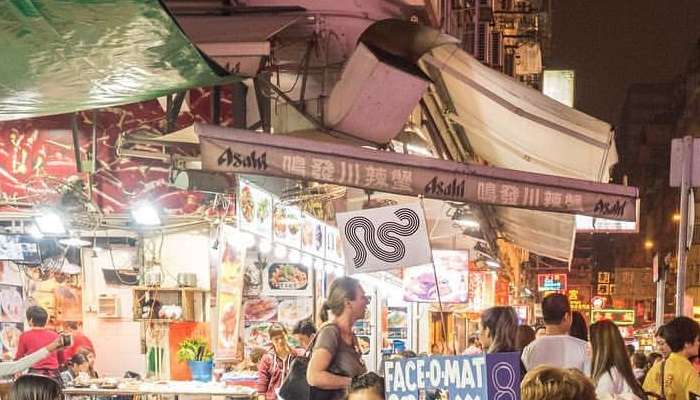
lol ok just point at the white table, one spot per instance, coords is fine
(172, 388)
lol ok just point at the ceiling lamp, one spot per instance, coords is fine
(145, 214)
(74, 241)
(49, 222)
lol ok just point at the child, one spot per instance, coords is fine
(36, 338)
(78, 367)
(369, 386)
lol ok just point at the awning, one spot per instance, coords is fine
(67, 56)
(514, 126)
(505, 124)
(510, 125)
(246, 152)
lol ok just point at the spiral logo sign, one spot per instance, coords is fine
(384, 238)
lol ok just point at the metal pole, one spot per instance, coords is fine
(683, 226)
(660, 298)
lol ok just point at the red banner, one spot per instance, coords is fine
(37, 157)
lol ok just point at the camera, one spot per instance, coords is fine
(66, 339)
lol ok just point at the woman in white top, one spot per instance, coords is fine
(611, 370)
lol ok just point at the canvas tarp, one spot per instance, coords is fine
(66, 56)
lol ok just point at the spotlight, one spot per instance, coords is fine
(74, 241)
(145, 214)
(49, 222)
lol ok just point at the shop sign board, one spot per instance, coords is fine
(240, 151)
(479, 377)
(384, 238)
(619, 317)
(451, 268)
(580, 298)
(585, 224)
(551, 283)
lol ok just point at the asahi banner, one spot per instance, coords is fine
(239, 151)
(384, 238)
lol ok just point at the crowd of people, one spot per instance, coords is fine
(563, 359)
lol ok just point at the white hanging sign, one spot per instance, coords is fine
(384, 238)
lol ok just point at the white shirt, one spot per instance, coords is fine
(612, 385)
(562, 351)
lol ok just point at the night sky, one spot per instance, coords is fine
(614, 43)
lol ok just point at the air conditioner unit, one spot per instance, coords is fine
(108, 306)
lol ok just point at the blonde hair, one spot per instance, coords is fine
(550, 383)
(342, 289)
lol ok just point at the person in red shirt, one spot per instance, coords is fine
(37, 337)
(80, 341)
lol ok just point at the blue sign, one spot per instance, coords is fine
(481, 377)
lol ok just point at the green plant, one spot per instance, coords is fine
(194, 349)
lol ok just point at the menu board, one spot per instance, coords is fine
(452, 272)
(256, 335)
(334, 246)
(291, 311)
(313, 235)
(254, 210)
(286, 225)
(397, 323)
(11, 303)
(287, 279)
(260, 309)
(230, 292)
(9, 335)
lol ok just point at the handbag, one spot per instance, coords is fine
(295, 385)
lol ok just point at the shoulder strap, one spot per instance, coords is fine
(663, 392)
(307, 353)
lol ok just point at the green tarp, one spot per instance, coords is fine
(60, 56)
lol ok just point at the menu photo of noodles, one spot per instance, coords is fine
(287, 279)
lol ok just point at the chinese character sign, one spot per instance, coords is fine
(481, 377)
(551, 283)
(244, 152)
(384, 238)
(619, 317)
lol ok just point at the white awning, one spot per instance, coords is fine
(510, 125)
